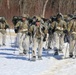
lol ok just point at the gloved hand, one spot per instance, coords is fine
(29, 33)
(65, 31)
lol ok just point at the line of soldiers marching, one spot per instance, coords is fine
(36, 30)
(3, 26)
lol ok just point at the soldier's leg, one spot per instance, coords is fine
(49, 41)
(17, 40)
(30, 39)
(52, 39)
(75, 48)
(26, 44)
(61, 42)
(71, 47)
(35, 46)
(20, 43)
(40, 43)
(56, 43)
(3, 39)
(46, 43)
(0, 38)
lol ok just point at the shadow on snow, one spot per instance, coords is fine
(49, 53)
(45, 53)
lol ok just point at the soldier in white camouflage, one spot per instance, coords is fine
(72, 35)
(51, 32)
(23, 35)
(3, 26)
(37, 40)
(60, 27)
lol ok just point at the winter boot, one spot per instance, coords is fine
(39, 57)
(56, 52)
(49, 48)
(4, 44)
(71, 55)
(34, 58)
(21, 54)
(60, 50)
(24, 51)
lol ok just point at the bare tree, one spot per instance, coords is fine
(8, 4)
(44, 8)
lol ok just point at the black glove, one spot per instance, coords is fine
(50, 31)
(29, 33)
(43, 29)
(16, 29)
(6, 26)
(44, 39)
(65, 31)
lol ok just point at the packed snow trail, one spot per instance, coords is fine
(57, 67)
(13, 64)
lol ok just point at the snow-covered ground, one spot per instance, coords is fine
(13, 64)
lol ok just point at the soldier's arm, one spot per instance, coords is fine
(6, 25)
(42, 29)
(18, 23)
(70, 26)
(46, 29)
(53, 25)
(31, 28)
(74, 27)
(65, 25)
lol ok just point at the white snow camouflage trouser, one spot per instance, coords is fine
(2, 39)
(50, 40)
(17, 40)
(23, 42)
(72, 45)
(37, 43)
(58, 40)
